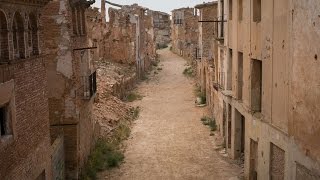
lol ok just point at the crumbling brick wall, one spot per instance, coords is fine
(25, 152)
(130, 37)
(121, 37)
(70, 65)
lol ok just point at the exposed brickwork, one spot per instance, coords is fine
(70, 63)
(25, 153)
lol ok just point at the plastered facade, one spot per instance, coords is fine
(266, 87)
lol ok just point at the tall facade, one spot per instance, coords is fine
(265, 95)
(71, 74)
(184, 33)
(24, 116)
(162, 28)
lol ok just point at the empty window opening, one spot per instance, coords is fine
(230, 9)
(253, 168)
(224, 124)
(74, 21)
(79, 21)
(229, 126)
(18, 36)
(229, 70)
(224, 116)
(33, 35)
(239, 142)
(4, 51)
(240, 10)
(83, 21)
(256, 10)
(4, 121)
(256, 85)
(277, 163)
(240, 75)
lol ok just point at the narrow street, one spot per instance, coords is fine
(169, 141)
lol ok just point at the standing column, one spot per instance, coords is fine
(103, 11)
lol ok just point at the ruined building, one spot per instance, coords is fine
(207, 48)
(72, 86)
(24, 116)
(130, 38)
(96, 31)
(184, 33)
(265, 86)
(162, 28)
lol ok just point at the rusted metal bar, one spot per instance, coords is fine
(114, 4)
(80, 49)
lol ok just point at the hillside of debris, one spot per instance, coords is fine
(114, 81)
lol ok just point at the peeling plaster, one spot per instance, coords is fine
(64, 58)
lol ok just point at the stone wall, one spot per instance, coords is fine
(162, 28)
(185, 33)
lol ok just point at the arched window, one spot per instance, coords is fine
(4, 48)
(33, 35)
(18, 36)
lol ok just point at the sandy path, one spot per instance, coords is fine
(168, 141)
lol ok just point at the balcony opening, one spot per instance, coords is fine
(18, 36)
(230, 9)
(256, 11)
(229, 70)
(240, 10)
(4, 48)
(239, 134)
(277, 162)
(253, 167)
(229, 125)
(240, 75)
(256, 85)
(224, 118)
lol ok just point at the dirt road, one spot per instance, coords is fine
(169, 141)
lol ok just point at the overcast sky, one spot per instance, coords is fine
(157, 5)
